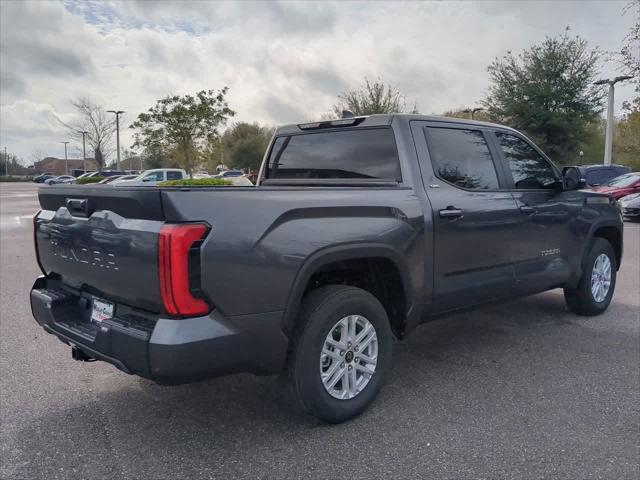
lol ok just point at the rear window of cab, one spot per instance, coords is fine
(337, 154)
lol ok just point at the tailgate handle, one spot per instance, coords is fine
(78, 205)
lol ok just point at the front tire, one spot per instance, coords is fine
(341, 351)
(595, 289)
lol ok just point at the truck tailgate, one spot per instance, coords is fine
(102, 241)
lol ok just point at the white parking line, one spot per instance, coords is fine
(16, 195)
(17, 220)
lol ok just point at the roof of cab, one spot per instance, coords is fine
(385, 119)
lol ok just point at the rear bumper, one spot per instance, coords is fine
(164, 350)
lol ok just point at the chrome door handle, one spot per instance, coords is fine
(527, 209)
(450, 212)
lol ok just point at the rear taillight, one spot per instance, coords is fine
(174, 245)
(35, 241)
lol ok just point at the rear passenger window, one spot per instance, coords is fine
(462, 157)
(357, 153)
(174, 175)
(528, 168)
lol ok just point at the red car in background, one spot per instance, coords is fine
(620, 186)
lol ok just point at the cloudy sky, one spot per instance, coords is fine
(284, 62)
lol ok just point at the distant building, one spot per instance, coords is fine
(59, 166)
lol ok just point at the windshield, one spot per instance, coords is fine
(623, 181)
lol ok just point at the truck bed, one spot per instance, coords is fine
(259, 238)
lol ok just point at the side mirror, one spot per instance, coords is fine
(146, 179)
(572, 179)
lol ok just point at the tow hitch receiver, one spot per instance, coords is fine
(79, 355)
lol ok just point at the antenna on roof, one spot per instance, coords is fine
(347, 114)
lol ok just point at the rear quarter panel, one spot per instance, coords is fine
(261, 237)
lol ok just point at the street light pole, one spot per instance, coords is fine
(117, 113)
(66, 160)
(608, 141)
(84, 150)
(473, 111)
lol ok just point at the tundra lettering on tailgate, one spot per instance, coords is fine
(92, 256)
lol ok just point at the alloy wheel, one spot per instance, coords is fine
(349, 357)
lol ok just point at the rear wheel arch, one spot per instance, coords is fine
(380, 270)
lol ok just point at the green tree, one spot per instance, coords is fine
(129, 161)
(547, 91)
(630, 51)
(212, 154)
(12, 164)
(153, 156)
(183, 124)
(628, 131)
(371, 98)
(626, 144)
(592, 146)
(244, 145)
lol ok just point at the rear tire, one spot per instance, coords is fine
(334, 321)
(595, 289)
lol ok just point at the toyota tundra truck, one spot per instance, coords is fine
(360, 229)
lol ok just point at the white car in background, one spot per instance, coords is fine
(242, 181)
(155, 176)
(226, 174)
(125, 178)
(236, 177)
(88, 174)
(199, 175)
(117, 179)
(630, 205)
(60, 179)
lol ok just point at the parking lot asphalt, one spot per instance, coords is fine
(520, 390)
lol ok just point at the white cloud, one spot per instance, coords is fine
(283, 62)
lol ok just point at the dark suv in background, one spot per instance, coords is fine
(596, 175)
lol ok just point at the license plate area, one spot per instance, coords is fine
(101, 310)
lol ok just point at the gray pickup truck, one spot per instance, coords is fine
(360, 229)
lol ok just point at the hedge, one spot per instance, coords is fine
(195, 182)
(84, 180)
(4, 178)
